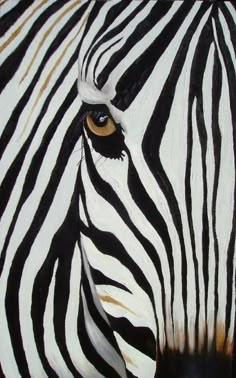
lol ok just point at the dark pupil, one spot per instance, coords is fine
(100, 119)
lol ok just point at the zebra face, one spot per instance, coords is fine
(157, 184)
(117, 189)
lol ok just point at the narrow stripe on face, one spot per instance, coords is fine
(173, 111)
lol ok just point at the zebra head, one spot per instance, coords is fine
(117, 189)
(157, 182)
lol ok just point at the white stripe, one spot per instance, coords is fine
(197, 205)
(100, 343)
(81, 363)
(141, 46)
(124, 34)
(133, 247)
(210, 172)
(29, 208)
(118, 181)
(25, 29)
(231, 10)
(137, 301)
(173, 154)
(52, 351)
(226, 186)
(92, 286)
(95, 27)
(227, 37)
(141, 365)
(8, 361)
(38, 255)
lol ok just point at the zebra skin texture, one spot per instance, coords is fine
(117, 189)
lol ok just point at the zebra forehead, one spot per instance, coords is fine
(121, 58)
(91, 94)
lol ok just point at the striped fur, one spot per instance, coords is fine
(117, 253)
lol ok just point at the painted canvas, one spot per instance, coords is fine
(117, 189)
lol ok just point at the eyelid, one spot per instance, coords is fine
(102, 131)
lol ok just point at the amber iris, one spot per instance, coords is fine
(102, 126)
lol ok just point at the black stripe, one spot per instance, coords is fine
(56, 43)
(216, 134)
(100, 57)
(148, 208)
(195, 91)
(152, 140)
(89, 351)
(234, 351)
(129, 374)
(39, 298)
(188, 199)
(115, 31)
(32, 174)
(230, 22)
(12, 62)
(61, 295)
(133, 80)
(1, 372)
(230, 278)
(157, 13)
(109, 245)
(100, 279)
(139, 337)
(230, 71)
(12, 301)
(106, 191)
(112, 14)
(153, 136)
(105, 329)
(9, 18)
(205, 221)
(62, 248)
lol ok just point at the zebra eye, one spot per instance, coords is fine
(106, 136)
(100, 124)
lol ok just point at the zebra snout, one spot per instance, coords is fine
(173, 364)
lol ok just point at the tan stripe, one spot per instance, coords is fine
(201, 339)
(128, 359)
(46, 34)
(229, 348)
(220, 337)
(224, 345)
(18, 30)
(109, 299)
(3, 2)
(47, 80)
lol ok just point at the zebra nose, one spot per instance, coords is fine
(173, 364)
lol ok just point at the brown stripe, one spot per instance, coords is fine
(109, 299)
(229, 347)
(48, 78)
(46, 34)
(128, 359)
(18, 30)
(201, 339)
(3, 2)
(220, 337)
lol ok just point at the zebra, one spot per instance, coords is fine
(117, 216)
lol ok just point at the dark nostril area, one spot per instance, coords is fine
(173, 364)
